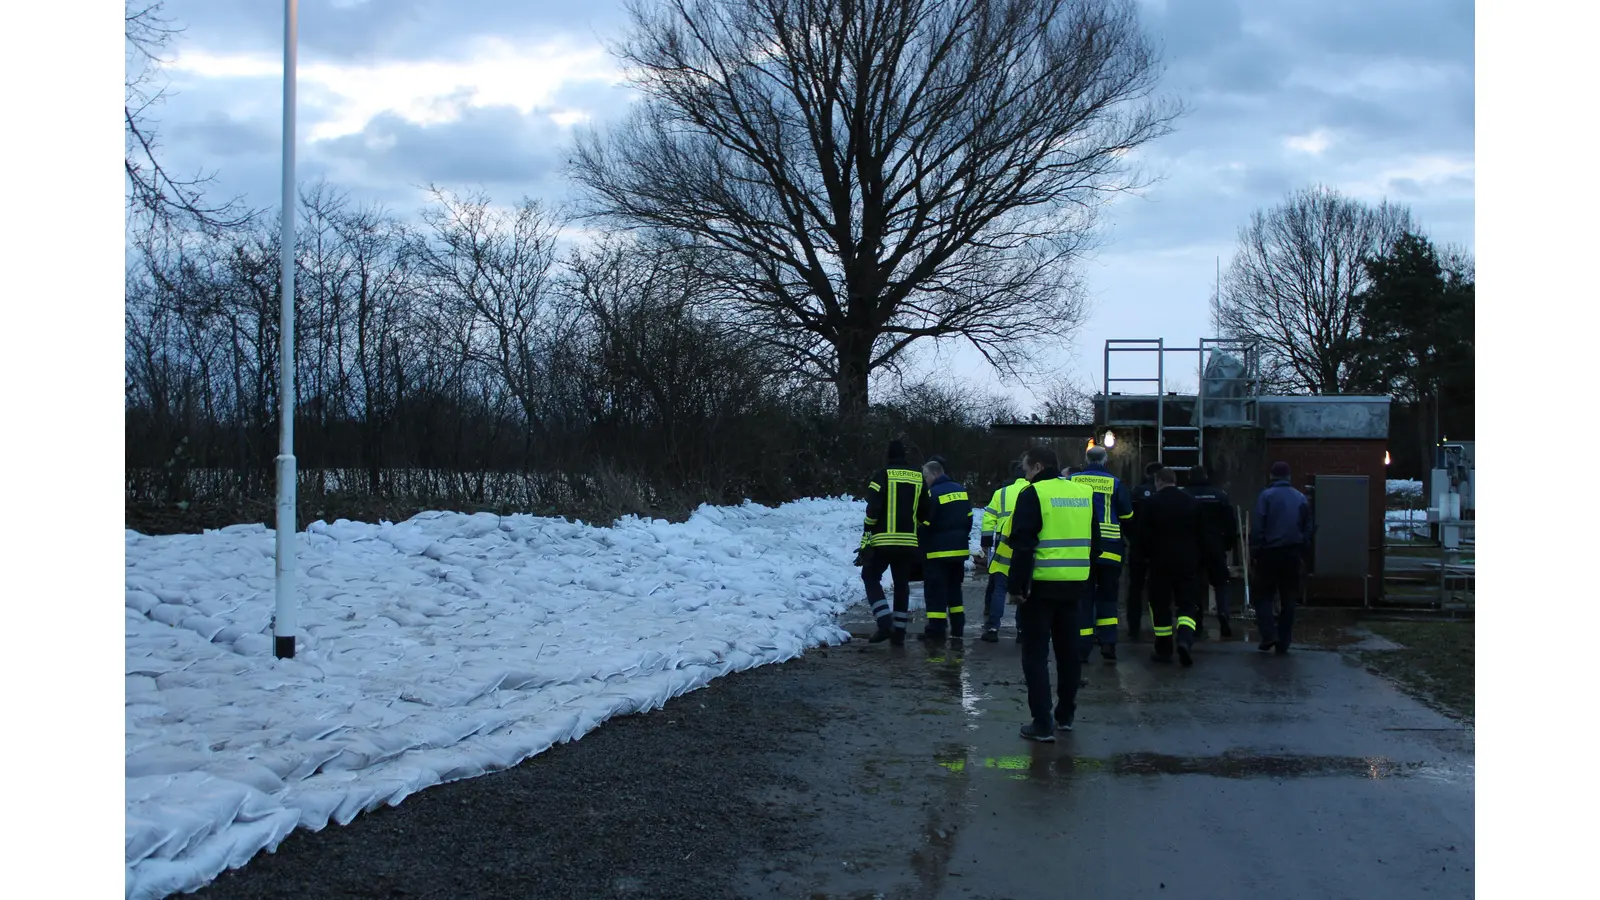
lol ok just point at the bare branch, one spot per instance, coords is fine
(880, 172)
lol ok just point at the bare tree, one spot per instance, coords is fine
(488, 271)
(1294, 281)
(384, 294)
(154, 193)
(871, 173)
(1066, 401)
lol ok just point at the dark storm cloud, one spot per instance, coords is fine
(342, 30)
(1382, 82)
(1377, 82)
(496, 147)
(219, 135)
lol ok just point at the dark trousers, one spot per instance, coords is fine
(1216, 572)
(1277, 576)
(1048, 623)
(1174, 590)
(1138, 573)
(941, 589)
(1097, 611)
(898, 562)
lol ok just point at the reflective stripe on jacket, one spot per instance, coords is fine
(946, 520)
(892, 501)
(1112, 507)
(1063, 550)
(1001, 505)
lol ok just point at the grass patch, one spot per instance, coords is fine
(1435, 665)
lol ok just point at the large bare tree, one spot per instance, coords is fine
(1294, 282)
(869, 173)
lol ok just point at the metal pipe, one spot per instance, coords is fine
(283, 617)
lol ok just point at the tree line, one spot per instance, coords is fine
(474, 358)
(1346, 297)
(806, 193)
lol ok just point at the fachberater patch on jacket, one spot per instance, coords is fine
(893, 498)
(946, 520)
(1112, 507)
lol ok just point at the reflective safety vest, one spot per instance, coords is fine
(1064, 541)
(1109, 495)
(1001, 505)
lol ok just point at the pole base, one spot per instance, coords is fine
(283, 647)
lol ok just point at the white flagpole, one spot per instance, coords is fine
(283, 619)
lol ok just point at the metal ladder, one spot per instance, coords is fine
(1182, 447)
(1164, 433)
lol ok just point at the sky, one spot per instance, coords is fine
(1372, 97)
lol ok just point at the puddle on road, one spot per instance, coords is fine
(1044, 765)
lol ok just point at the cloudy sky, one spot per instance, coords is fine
(1374, 97)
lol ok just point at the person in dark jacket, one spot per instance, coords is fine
(1280, 538)
(1047, 552)
(1219, 516)
(1138, 568)
(944, 534)
(1112, 508)
(1175, 541)
(889, 542)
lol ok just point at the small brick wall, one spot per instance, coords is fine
(1309, 458)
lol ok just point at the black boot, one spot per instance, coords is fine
(898, 638)
(883, 631)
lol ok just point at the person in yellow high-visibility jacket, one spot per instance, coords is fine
(995, 515)
(1047, 548)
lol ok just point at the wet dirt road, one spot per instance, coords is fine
(870, 771)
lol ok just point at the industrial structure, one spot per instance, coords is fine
(1334, 445)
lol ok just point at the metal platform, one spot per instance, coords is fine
(1228, 373)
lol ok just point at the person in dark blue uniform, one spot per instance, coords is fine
(1112, 507)
(1217, 512)
(1176, 540)
(944, 535)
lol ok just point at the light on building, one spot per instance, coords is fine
(1386, 457)
(1109, 439)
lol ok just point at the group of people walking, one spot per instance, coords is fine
(1054, 544)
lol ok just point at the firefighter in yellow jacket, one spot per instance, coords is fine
(889, 542)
